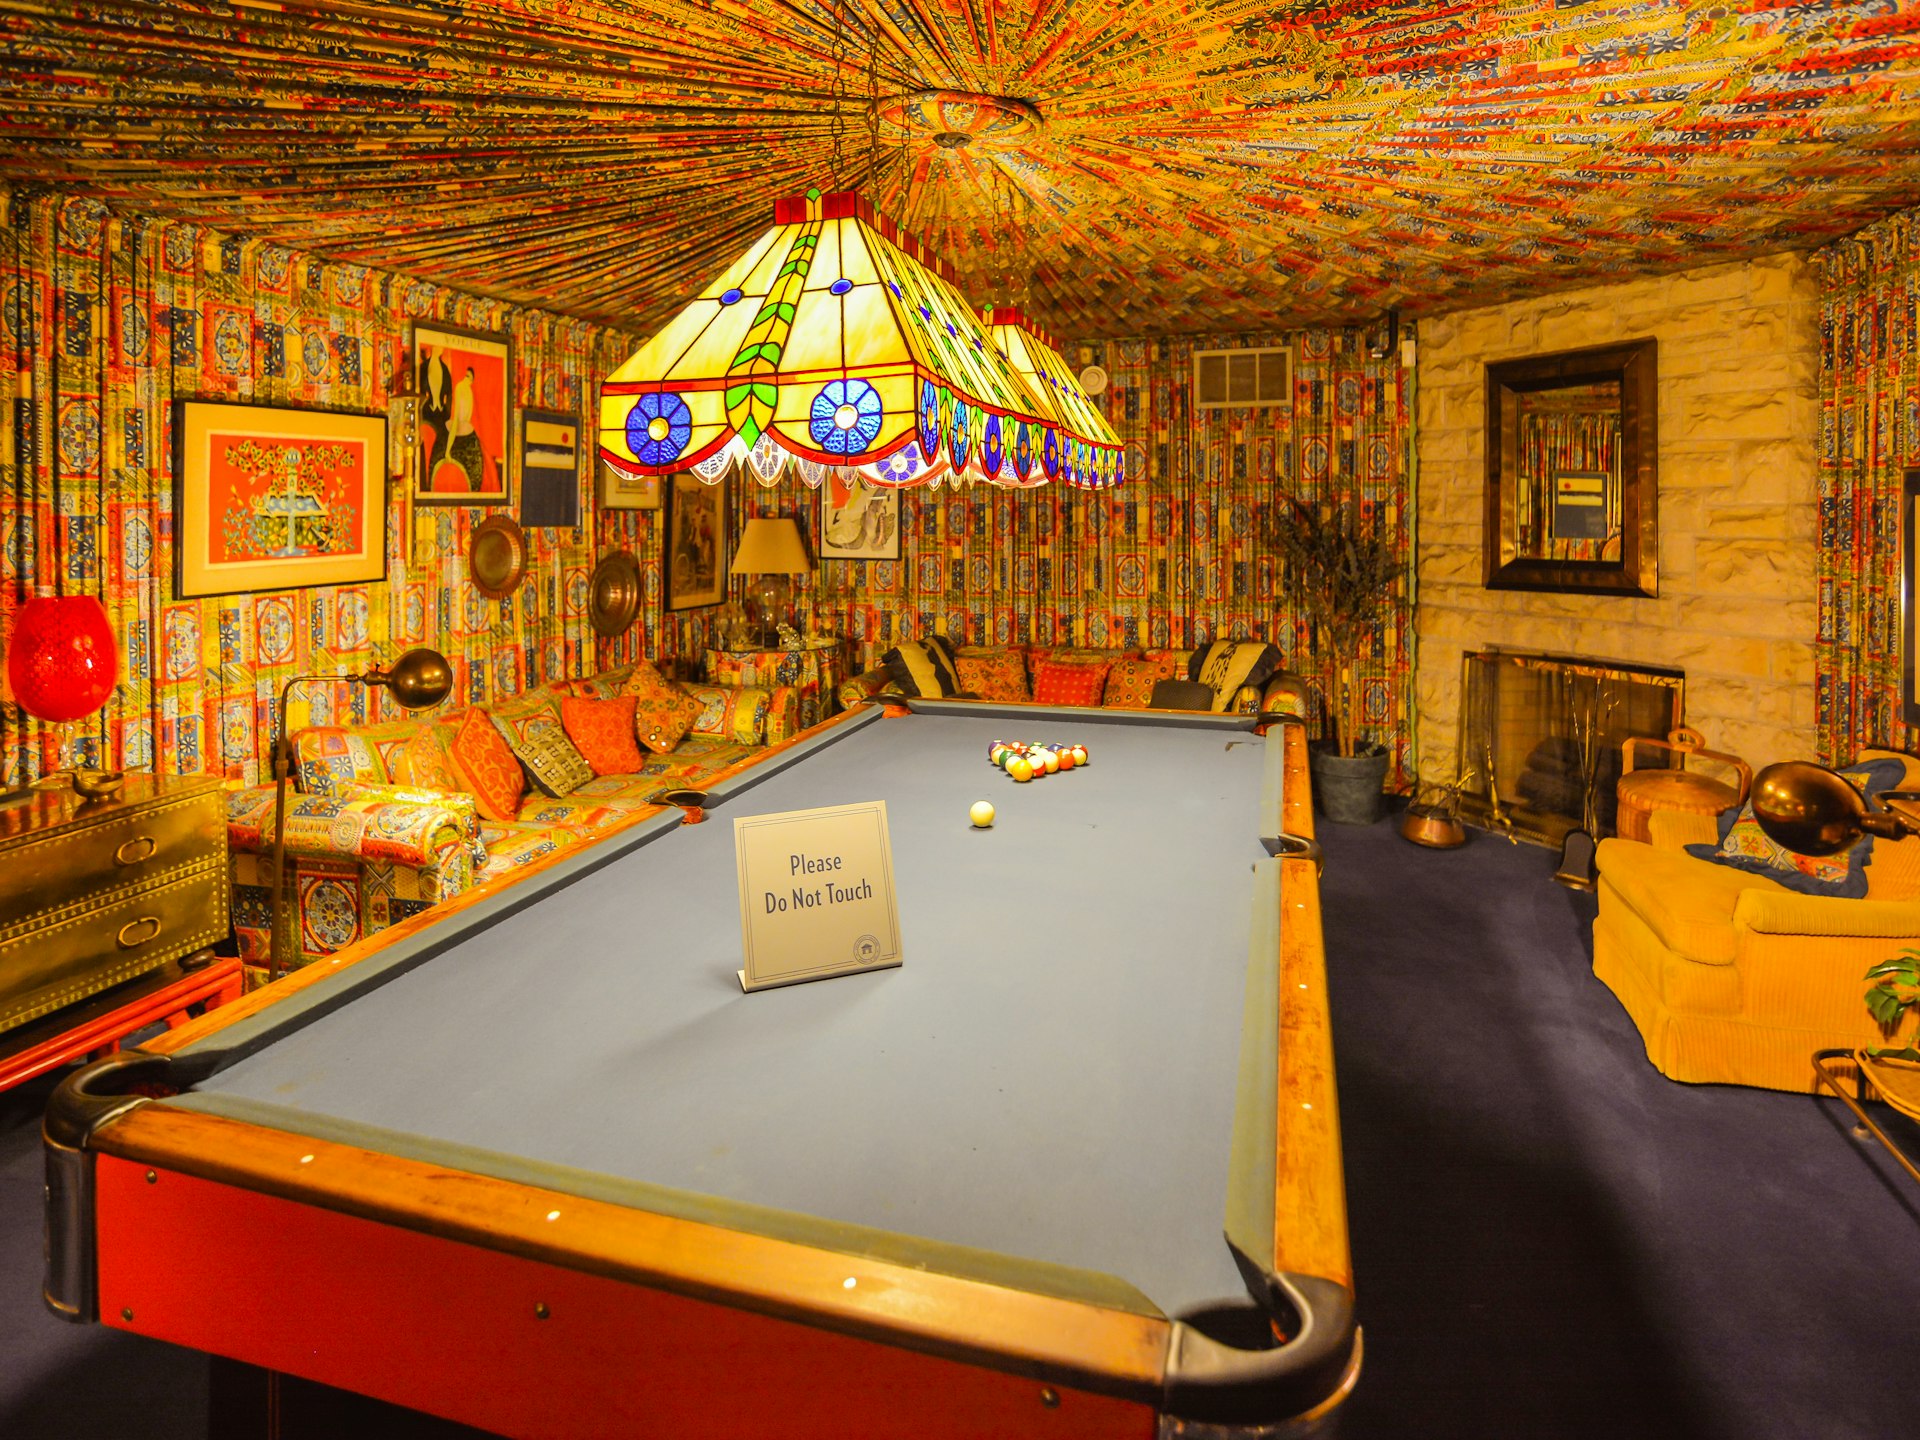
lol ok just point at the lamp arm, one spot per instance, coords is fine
(282, 768)
(1887, 823)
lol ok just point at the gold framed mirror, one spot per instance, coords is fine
(1572, 487)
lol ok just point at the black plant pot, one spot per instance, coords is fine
(1348, 787)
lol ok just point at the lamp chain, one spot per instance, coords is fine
(873, 112)
(839, 90)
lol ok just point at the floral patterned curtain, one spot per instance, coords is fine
(1868, 438)
(1170, 559)
(106, 320)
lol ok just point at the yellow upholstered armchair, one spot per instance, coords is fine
(1731, 976)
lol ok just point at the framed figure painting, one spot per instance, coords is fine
(271, 498)
(696, 558)
(858, 521)
(465, 382)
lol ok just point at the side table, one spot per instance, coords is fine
(1896, 1082)
(816, 671)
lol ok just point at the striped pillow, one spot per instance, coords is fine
(923, 667)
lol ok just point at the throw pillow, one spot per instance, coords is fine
(485, 767)
(923, 667)
(532, 727)
(1745, 846)
(422, 762)
(992, 674)
(662, 711)
(602, 730)
(1063, 682)
(1131, 680)
(1226, 665)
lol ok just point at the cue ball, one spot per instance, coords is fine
(981, 814)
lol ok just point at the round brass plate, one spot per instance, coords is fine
(497, 557)
(613, 595)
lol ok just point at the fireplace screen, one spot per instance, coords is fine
(1540, 738)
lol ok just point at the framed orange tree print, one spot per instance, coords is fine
(465, 382)
(270, 498)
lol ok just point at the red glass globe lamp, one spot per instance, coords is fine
(63, 663)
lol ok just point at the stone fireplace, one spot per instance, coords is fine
(1540, 737)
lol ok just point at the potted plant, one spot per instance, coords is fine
(1896, 990)
(1341, 565)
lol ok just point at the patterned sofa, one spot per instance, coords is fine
(1009, 673)
(367, 846)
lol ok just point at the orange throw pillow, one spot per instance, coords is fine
(662, 711)
(1057, 682)
(993, 674)
(602, 730)
(486, 767)
(423, 763)
(1130, 683)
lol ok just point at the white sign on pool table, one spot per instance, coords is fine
(816, 894)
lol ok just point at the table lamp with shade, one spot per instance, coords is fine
(771, 550)
(418, 679)
(63, 663)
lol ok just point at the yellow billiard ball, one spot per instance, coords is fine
(981, 814)
(1020, 768)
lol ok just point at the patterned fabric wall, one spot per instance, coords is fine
(1173, 557)
(1869, 435)
(105, 320)
(110, 318)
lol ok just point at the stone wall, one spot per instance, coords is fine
(1738, 366)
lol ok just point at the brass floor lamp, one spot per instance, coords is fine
(419, 678)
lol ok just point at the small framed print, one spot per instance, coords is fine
(465, 383)
(624, 492)
(1909, 609)
(696, 558)
(858, 521)
(549, 468)
(272, 498)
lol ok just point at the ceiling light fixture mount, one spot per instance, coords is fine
(962, 119)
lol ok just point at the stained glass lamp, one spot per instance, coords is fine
(1089, 454)
(834, 341)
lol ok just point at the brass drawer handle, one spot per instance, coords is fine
(132, 852)
(152, 922)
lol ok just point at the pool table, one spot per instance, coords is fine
(534, 1162)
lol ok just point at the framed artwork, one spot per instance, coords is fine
(858, 521)
(272, 498)
(1572, 492)
(1909, 619)
(624, 492)
(465, 382)
(549, 468)
(696, 558)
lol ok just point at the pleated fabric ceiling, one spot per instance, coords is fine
(1205, 166)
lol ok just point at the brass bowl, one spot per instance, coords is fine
(613, 595)
(497, 556)
(97, 784)
(1432, 827)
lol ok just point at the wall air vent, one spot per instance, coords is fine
(1241, 379)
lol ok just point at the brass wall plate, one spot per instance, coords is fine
(613, 595)
(497, 556)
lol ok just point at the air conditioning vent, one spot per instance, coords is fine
(1241, 379)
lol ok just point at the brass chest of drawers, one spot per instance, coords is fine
(96, 892)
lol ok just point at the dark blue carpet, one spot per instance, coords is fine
(1550, 1239)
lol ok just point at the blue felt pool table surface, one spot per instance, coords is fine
(1050, 1074)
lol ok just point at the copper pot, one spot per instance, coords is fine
(1432, 826)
